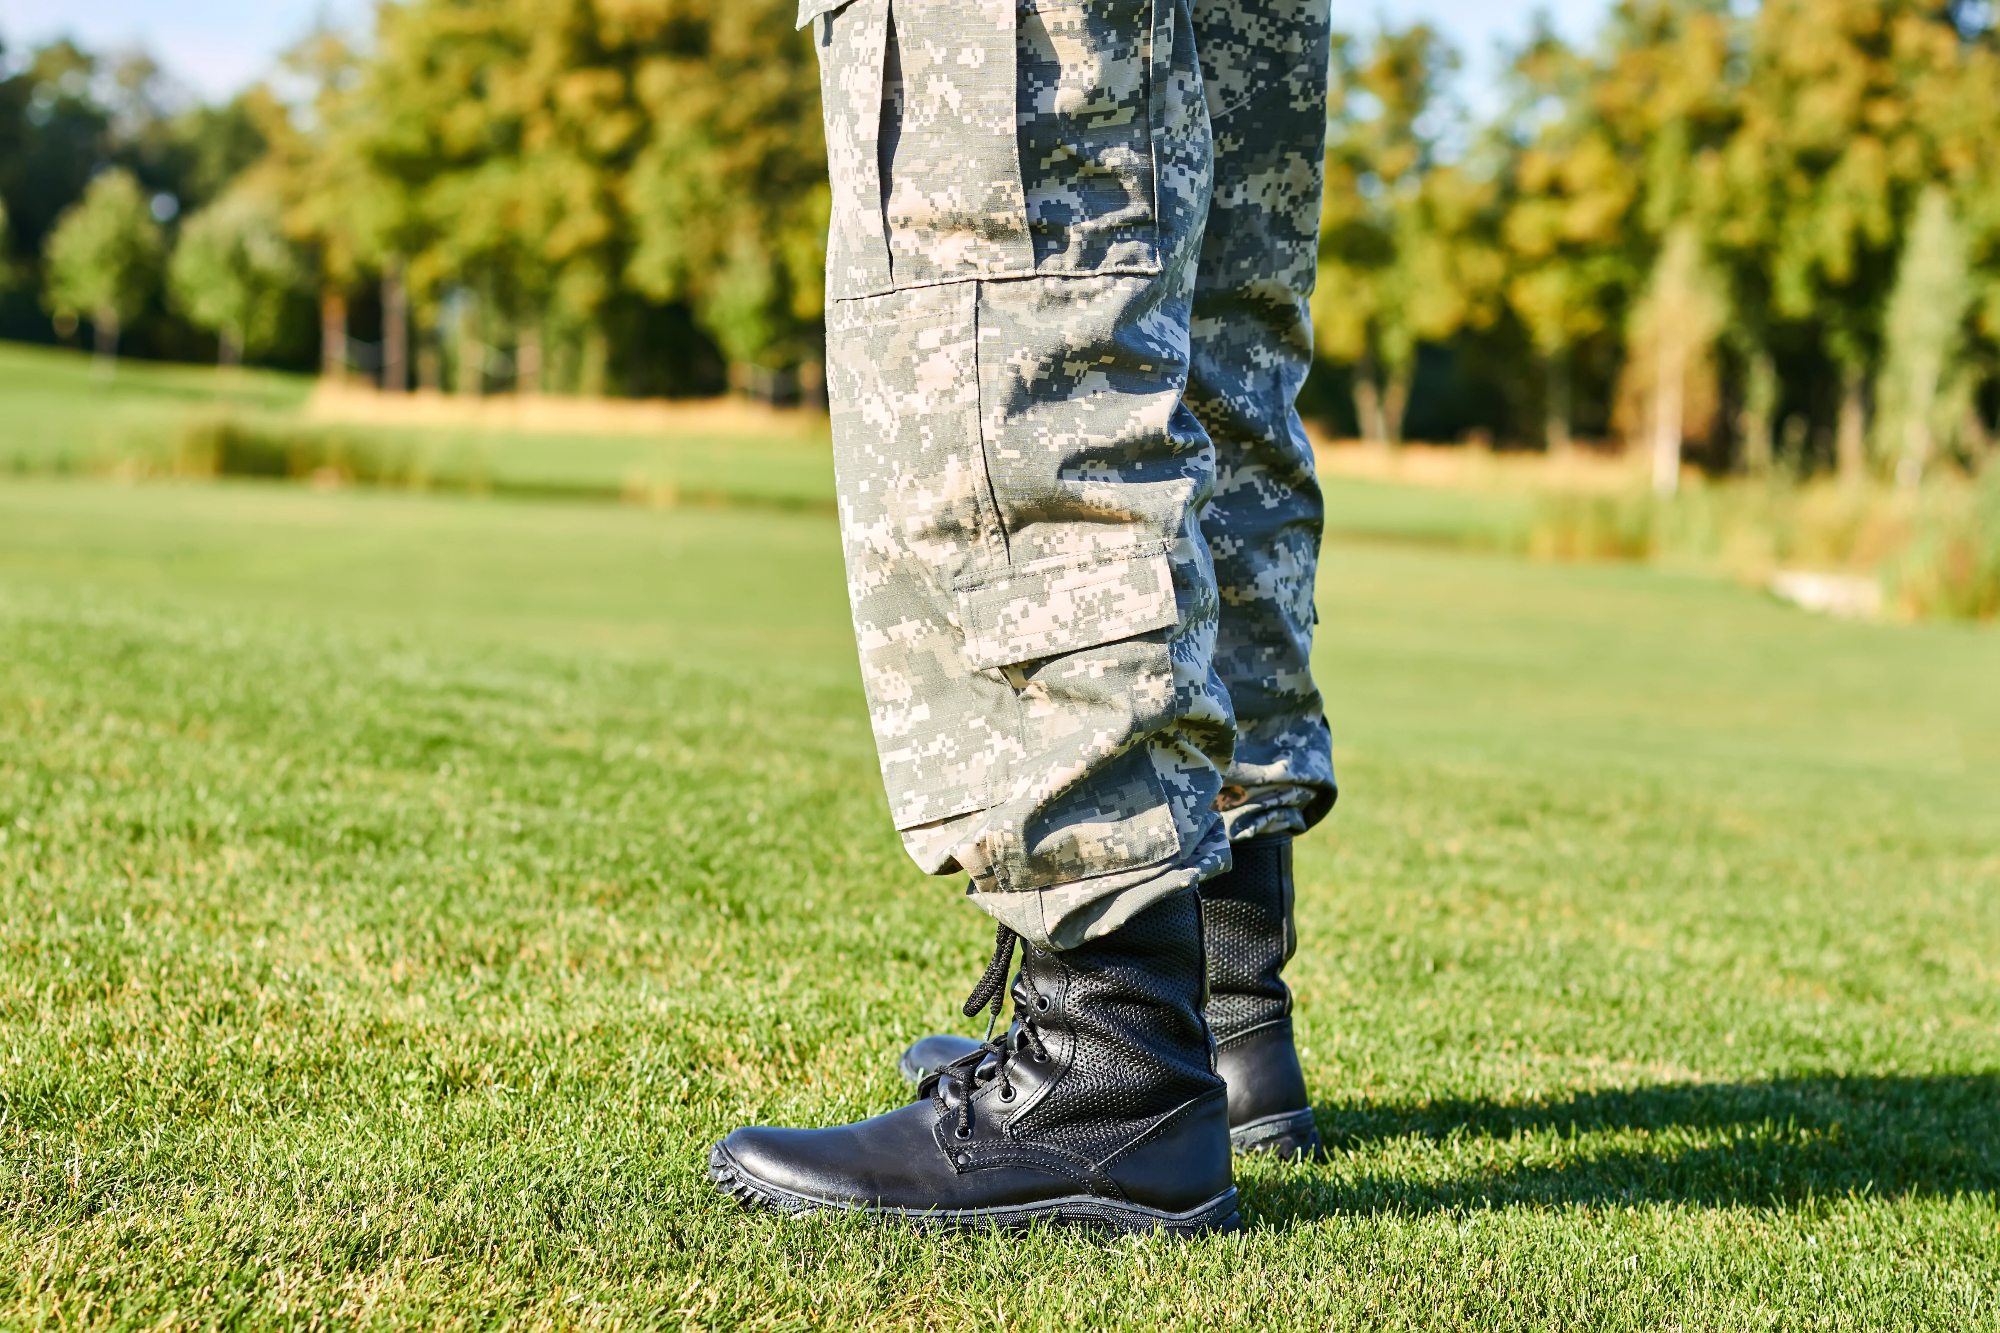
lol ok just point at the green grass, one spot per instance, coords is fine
(1366, 510)
(59, 417)
(153, 419)
(398, 894)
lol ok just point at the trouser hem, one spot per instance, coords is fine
(1064, 916)
(1274, 810)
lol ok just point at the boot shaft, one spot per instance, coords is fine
(1121, 1017)
(1249, 937)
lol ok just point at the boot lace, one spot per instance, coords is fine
(964, 1073)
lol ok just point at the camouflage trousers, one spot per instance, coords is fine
(1071, 247)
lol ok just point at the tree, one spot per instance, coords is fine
(1833, 150)
(1669, 368)
(332, 201)
(234, 271)
(497, 138)
(210, 146)
(53, 138)
(103, 259)
(1566, 227)
(1923, 330)
(728, 192)
(1408, 245)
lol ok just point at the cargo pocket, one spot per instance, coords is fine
(953, 207)
(1085, 646)
(1096, 92)
(853, 40)
(972, 139)
(1057, 606)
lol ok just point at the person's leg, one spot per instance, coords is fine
(1011, 275)
(1264, 64)
(1265, 67)
(1020, 483)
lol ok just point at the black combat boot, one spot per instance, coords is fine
(1099, 1106)
(1247, 923)
(1247, 927)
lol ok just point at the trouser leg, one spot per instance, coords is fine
(1264, 66)
(1020, 481)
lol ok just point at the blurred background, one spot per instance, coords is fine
(1697, 279)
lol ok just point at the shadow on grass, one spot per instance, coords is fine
(1775, 1144)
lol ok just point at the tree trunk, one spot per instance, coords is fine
(1851, 436)
(469, 375)
(1916, 450)
(395, 329)
(1555, 412)
(1668, 404)
(591, 375)
(528, 360)
(430, 364)
(1395, 405)
(228, 350)
(333, 336)
(1760, 408)
(1978, 443)
(104, 354)
(1368, 403)
(1917, 441)
(812, 386)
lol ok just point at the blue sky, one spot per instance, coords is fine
(217, 46)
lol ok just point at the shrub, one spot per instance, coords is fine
(1936, 550)
(1571, 526)
(238, 447)
(1951, 564)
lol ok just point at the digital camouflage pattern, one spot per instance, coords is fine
(1264, 66)
(1065, 328)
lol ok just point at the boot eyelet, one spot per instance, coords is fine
(1041, 1004)
(963, 1133)
(1006, 1094)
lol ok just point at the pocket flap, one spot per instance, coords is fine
(1059, 607)
(812, 9)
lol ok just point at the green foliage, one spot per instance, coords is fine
(1791, 142)
(586, 175)
(544, 156)
(398, 895)
(1407, 246)
(1934, 551)
(66, 115)
(728, 195)
(105, 253)
(1574, 526)
(1952, 564)
(214, 145)
(234, 271)
(52, 139)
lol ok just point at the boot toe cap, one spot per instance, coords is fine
(804, 1163)
(889, 1161)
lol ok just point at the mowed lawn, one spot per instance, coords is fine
(399, 894)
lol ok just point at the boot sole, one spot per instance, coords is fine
(1219, 1215)
(1288, 1135)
